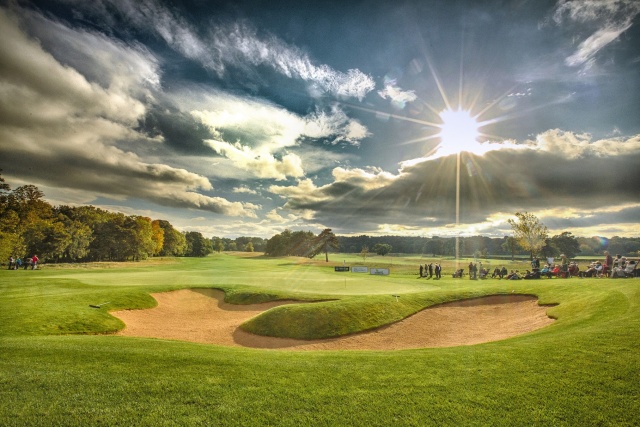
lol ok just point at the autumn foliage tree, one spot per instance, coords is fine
(529, 232)
(30, 225)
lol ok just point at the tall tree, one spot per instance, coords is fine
(174, 242)
(566, 243)
(157, 236)
(381, 248)
(529, 232)
(197, 244)
(510, 246)
(218, 244)
(325, 241)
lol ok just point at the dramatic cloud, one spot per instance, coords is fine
(236, 44)
(547, 172)
(255, 134)
(236, 118)
(58, 128)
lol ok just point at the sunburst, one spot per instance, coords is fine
(459, 132)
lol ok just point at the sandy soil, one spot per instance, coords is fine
(203, 316)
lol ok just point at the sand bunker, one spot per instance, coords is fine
(203, 316)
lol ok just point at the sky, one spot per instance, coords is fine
(246, 118)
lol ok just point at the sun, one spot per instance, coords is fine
(459, 132)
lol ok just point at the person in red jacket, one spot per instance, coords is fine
(34, 262)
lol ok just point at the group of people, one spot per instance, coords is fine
(429, 270)
(15, 263)
(611, 267)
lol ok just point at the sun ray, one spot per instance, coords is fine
(395, 116)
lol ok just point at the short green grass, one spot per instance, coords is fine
(58, 368)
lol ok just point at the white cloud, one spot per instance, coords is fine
(573, 146)
(369, 180)
(239, 44)
(260, 163)
(399, 98)
(304, 187)
(256, 134)
(236, 44)
(254, 123)
(607, 19)
(244, 189)
(592, 45)
(335, 123)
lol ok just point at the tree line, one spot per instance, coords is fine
(530, 238)
(29, 225)
(302, 243)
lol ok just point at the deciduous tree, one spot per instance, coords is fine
(529, 232)
(364, 252)
(381, 248)
(197, 244)
(510, 246)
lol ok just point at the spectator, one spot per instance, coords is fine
(565, 266)
(608, 264)
(514, 275)
(535, 264)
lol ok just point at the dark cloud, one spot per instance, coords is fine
(500, 181)
(179, 130)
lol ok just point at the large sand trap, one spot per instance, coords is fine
(203, 316)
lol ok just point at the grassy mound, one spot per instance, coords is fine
(329, 319)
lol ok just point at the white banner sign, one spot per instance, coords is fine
(360, 269)
(380, 271)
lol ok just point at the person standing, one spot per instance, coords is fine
(438, 270)
(430, 270)
(608, 264)
(535, 265)
(34, 262)
(421, 270)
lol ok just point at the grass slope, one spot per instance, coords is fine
(583, 370)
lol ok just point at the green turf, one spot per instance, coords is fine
(54, 370)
